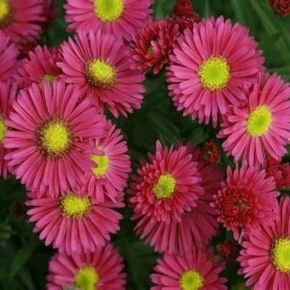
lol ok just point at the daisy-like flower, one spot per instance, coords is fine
(99, 270)
(73, 223)
(194, 271)
(265, 256)
(109, 174)
(261, 125)
(47, 129)
(210, 65)
(8, 56)
(39, 66)
(7, 97)
(102, 66)
(120, 18)
(21, 20)
(152, 46)
(164, 200)
(245, 200)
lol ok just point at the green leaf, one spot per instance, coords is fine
(198, 136)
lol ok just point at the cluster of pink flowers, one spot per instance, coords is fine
(56, 139)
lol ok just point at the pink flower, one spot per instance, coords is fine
(210, 65)
(100, 270)
(72, 223)
(21, 20)
(109, 173)
(152, 46)
(246, 200)
(47, 128)
(8, 57)
(120, 18)
(39, 66)
(7, 97)
(265, 255)
(261, 125)
(195, 270)
(102, 66)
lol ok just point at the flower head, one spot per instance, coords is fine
(228, 250)
(246, 200)
(210, 65)
(265, 259)
(193, 271)
(102, 66)
(47, 129)
(281, 7)
(261, 125)
(73, 223)
(211, 152)
(120, 18)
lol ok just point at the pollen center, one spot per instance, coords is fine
(55, 138)
(281, 255)
(191, 280)
(214, 73)
(4, 10)
(49, 77)
(86, 278)
(165, 186)
(100, 74)
(3, 129)
(74, 206)
(108, 10)
(102, 164)
(259, 121)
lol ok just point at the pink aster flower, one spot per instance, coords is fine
(195, 270)
(110, 169)
(21, 20)
(100, 270)
(265, 256)
(102, 66)
(8, 57)
(73, 223)
(210, 65)
(47, 128)
(245, 200)
(7, 97)
(152, 46)
(39, 66)
(261, 125)
(120, 18)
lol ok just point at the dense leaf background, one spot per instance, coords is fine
(23, 259)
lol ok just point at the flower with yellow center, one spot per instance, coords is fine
(101, 74)
(214, 73)
(74, 206)
(5, 11)
(49, 78)
(191, 280)
(55, 138)
(108, 10)
(102, 164)
(3, 129)
(259, 121)
(281, 254)
(165, 186)
(87, 278)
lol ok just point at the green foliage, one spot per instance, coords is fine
(23, 259)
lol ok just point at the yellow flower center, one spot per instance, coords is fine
(281, 254)
(74, 206)
(108, 10)
(191, 280)
(49, 77)
(55, 138)
(259, 121)
(100, 74)
(4, 10)
(3, 129)
(87, 278)
(165, 186)
(102, 164)
(214, 73)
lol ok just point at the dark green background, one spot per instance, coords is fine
(23, 259)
